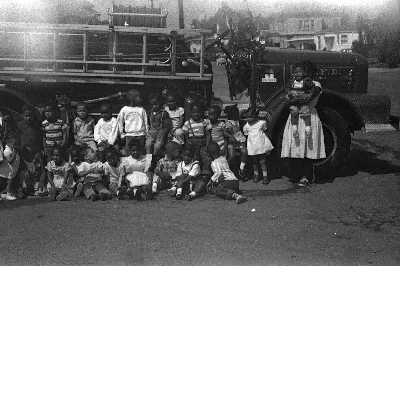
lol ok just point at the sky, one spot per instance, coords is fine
(196, 9)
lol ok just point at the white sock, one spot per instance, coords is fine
(265, 173)
(242, 165)
(295, 128)
(192, 194)
(179, 191)
(134, 192)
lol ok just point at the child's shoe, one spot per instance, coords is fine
(103, 196)
(52, 194)
(256, 178)
(121, 193)
(179, 196)
(192, 196)
(9, 196)
(304, 182)
(171, 192)
(154, 188)
(94, 197)
(242, 174)
(240, 199)
(62, 196)
(138, 195)
(21, 194)
(79, 188)
(265, 180)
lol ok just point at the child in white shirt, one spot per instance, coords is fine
(105, 132)
(132, 120)
(114, 173)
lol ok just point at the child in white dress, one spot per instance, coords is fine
(57, 175)
(136, 169)
(258, 143)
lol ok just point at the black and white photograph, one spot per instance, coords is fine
(199, 200)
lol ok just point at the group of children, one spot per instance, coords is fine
(139, 152)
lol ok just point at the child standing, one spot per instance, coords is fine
(258, 144)
(32, 172)
(218, 128)
(9, 166)
(137, 173)
(57, 175)
(160, 126)
(28, 132)
(83, 127)
(224, 182)
(188, 176)
(55, 131)
(105, 130)
(166, 169)
(132, 120)
(92, 170)
(114, 173)
(237, 140)
(197, 132)
(299, 89)
(177, 116)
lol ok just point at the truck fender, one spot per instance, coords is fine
(12, 100)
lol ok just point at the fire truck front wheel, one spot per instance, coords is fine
(337, 141)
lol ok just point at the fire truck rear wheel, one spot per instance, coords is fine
(337, 141)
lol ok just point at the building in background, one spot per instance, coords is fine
(312, 33)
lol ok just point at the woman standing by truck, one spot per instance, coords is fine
(303, 149)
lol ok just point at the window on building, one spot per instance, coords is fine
(306, 25)
(344, 39)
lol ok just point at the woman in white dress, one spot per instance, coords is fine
(302, 150)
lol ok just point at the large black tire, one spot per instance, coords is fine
(337, 141)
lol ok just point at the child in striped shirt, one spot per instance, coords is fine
(55, 131)
(197, 132)
(218, 129)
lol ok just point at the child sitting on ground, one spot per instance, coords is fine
(159, 126)
(237, 140)
(32, 173)
(188, 176)
(114, 173)
(137, 174)
(177, 116)
(298, 90)
(9, 166)
(166, 170)
(218, 129)
(132, 120)
(105, 133)
(92, 170)
(77, 165)
(55, 130)
(83, 127)
(197, 132)
(224, 182)
(57, 175)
